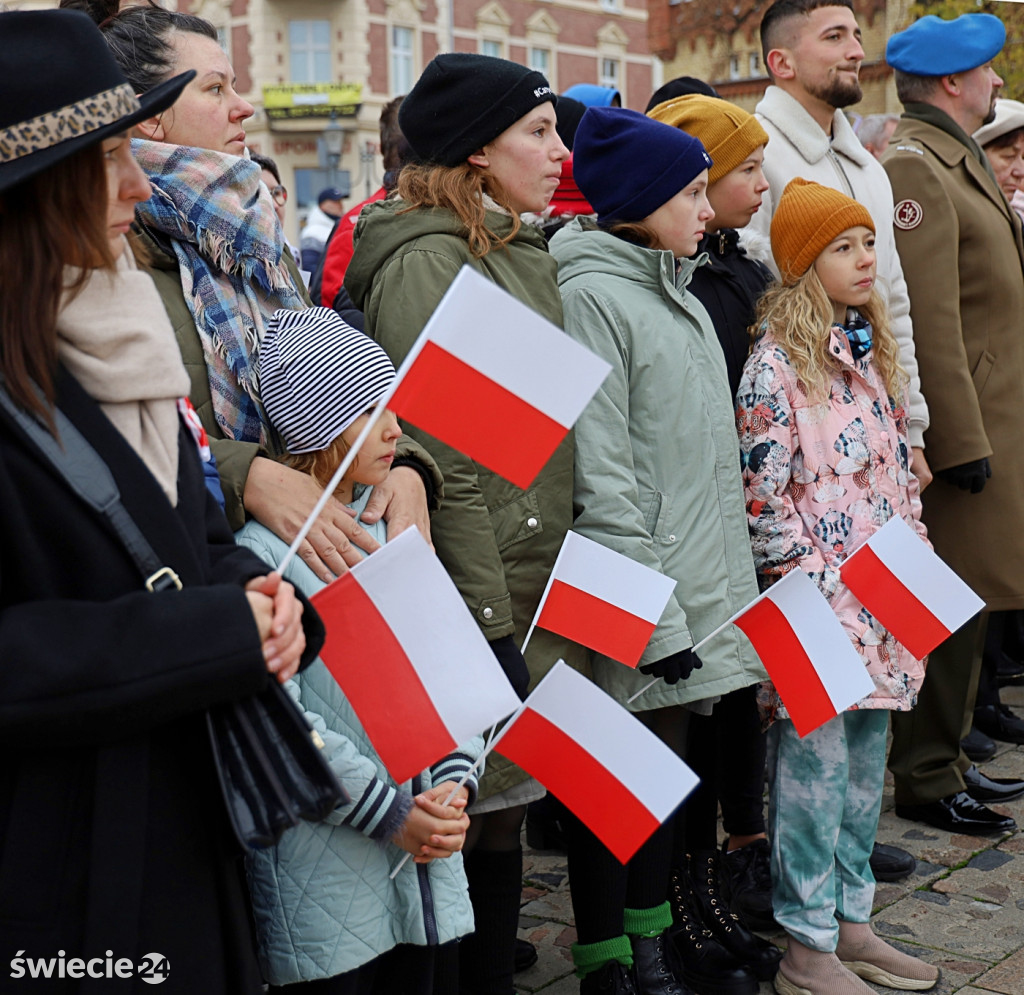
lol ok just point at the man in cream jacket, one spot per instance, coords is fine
(812, 50)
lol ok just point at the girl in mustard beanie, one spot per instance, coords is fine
(822, 418)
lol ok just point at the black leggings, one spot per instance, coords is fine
(601, 887)
(726, 750)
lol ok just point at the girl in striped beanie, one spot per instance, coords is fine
(324, 901)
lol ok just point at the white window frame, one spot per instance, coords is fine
(609, 72)
(496, 46)
(734, 66)
(542, 66)
(401, 58)
(306, 51)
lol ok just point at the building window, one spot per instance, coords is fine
(492, 48)
(309, 47)
(402, 76)
(224, 40)
(609, 74)
(610, 5)
(753, 65)
(540, 60)
(734, 67)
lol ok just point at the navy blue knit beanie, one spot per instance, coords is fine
(627, 165)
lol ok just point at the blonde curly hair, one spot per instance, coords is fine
(800, 317)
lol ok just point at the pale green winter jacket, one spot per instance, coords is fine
(657, 465)
(497, 542)
(323, 899)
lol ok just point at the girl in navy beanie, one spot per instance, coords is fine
(656, 479)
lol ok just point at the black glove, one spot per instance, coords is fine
(674, 668)
(968, 476)
(512, 662)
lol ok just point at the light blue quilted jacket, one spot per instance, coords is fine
(323, 899)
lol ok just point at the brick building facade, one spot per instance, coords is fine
(383, 45)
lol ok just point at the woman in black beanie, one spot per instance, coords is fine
(483, 131)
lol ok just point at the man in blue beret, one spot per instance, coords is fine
(963, 260)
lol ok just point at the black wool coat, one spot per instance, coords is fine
(113, 835)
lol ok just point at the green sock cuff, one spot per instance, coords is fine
(589, 957)
(647, 922)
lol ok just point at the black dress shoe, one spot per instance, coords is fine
(958, 813)
(525, 955)
(1009, 671)
(999, 722)
(991, 789)
(976, 745)
(890, 863)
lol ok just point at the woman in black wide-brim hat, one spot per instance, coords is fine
(116, 858)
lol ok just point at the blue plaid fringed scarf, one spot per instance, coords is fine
(221, 222)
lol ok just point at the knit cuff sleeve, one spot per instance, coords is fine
(380, 812)
(452, 768)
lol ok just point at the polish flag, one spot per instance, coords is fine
(899, 579)
(598, 759)
(409, 656)
(495, 380)
(806, 651)
(603, 599)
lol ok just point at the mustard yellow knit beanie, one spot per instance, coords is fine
(807, 218)
(728, 132)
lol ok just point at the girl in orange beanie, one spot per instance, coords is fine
(821, 412)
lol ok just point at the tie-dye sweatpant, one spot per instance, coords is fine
(825, 793)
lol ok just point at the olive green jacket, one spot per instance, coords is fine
(497, 542)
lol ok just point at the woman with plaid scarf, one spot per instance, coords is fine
(211, 240)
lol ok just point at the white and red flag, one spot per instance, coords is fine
(409, 656)
(493, 379)
(602, 599)
(596, 758)
(806, 651)
(900, 580)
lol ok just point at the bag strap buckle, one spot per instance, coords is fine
(163, 580)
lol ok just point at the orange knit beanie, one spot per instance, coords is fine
(728, 132)
(807, 218)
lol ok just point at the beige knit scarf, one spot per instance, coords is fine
(115, 339)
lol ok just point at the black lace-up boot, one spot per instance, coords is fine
(704, 964)
(747, 881)
(705, 897)
(654, 967)
(609, 979)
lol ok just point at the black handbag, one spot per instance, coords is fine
(269, 761)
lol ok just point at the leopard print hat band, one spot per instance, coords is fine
(72, 121)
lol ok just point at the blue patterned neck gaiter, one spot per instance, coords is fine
(858, 334)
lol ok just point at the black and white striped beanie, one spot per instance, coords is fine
(318, 374)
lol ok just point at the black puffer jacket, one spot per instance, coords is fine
(728, 287)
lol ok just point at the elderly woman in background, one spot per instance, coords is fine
(1002, 141)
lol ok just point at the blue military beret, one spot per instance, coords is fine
(934, 47)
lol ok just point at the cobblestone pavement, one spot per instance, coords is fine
(962, 908)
